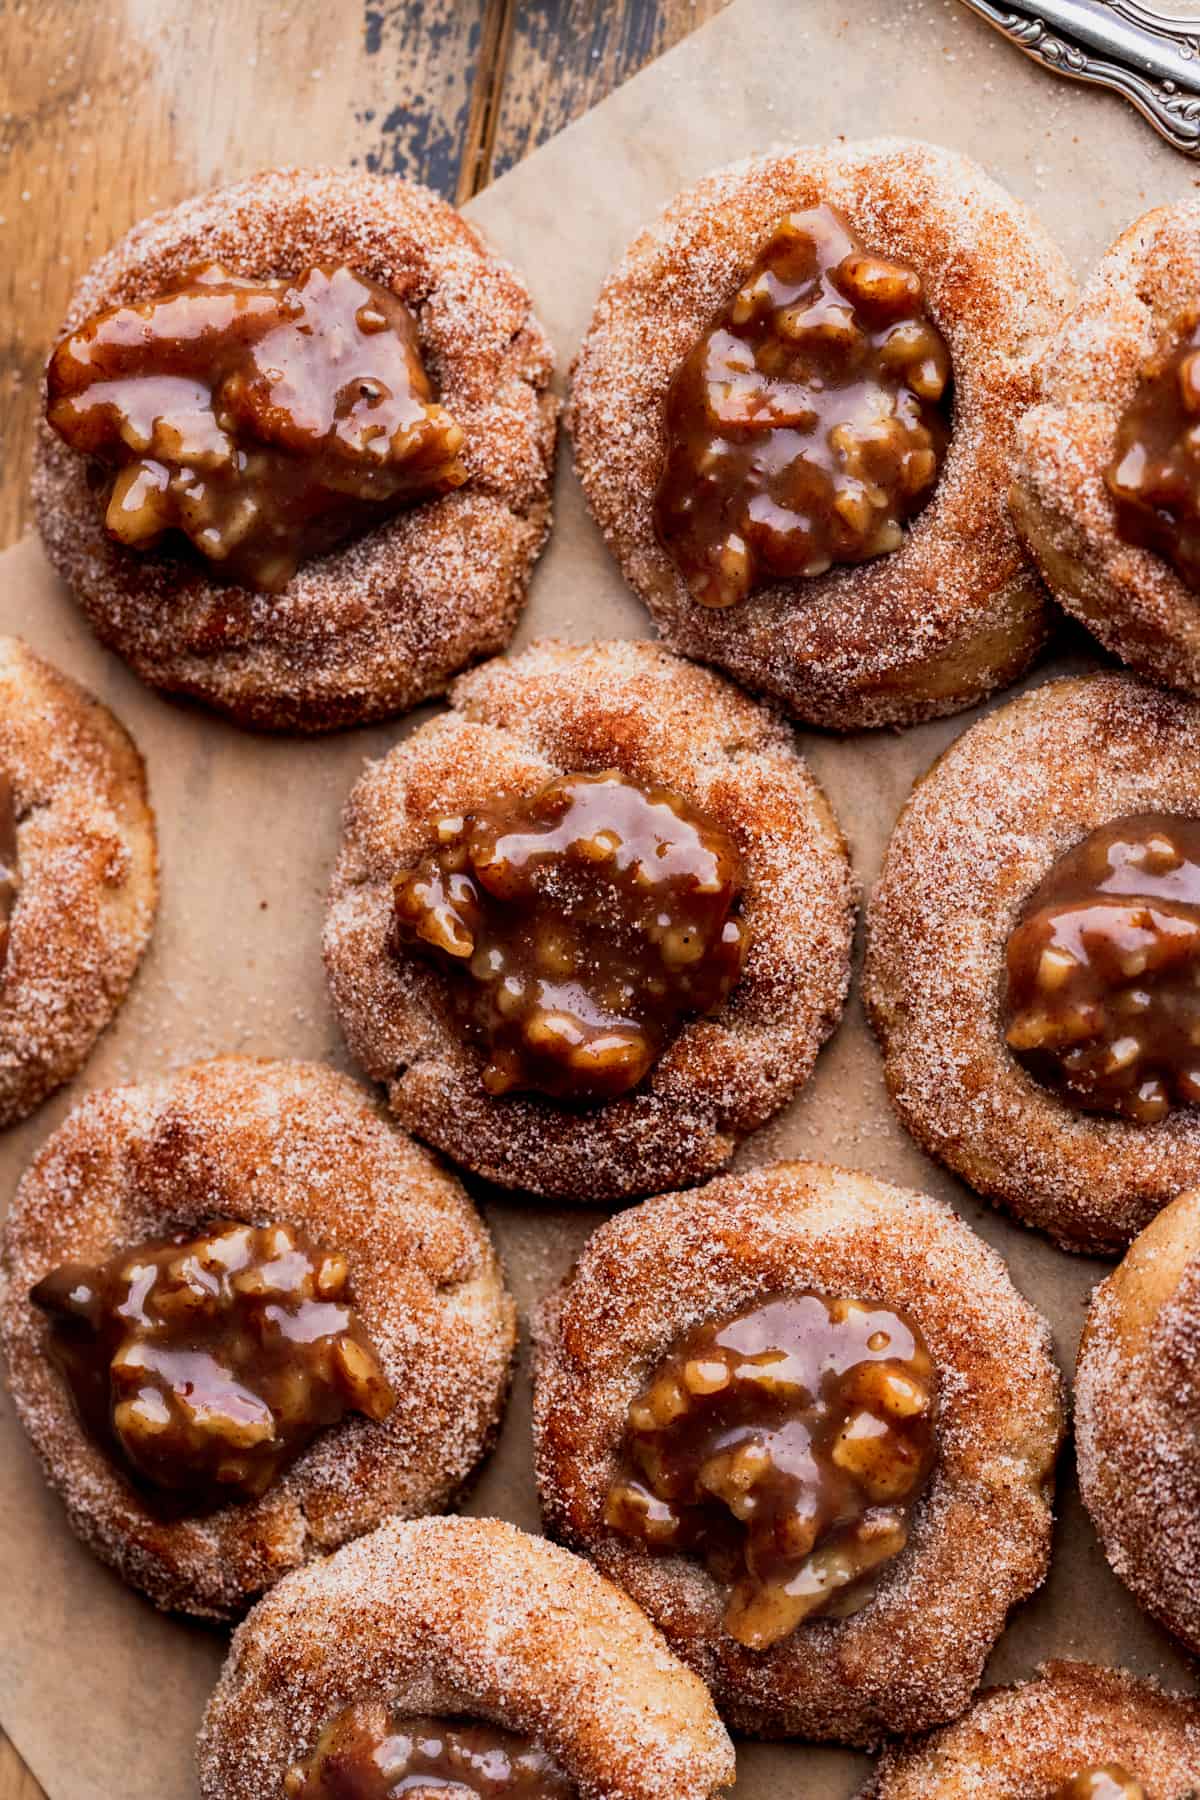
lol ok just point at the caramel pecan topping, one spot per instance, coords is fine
(368, 1752)
(207, 1365)
(809, 422)
(787, 1447)
(1154, 475)
(265, 420)
(579, 928)
(1104, 971)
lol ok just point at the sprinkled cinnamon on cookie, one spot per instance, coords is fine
(956, 611)
(370, 628)
(82, 906)
(265, 1142)
(464, 1617)
(1137, 1399)
(565, 709)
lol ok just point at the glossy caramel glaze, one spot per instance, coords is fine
(264, 421)
(369, 1753)
(787, 1447)
(9, 870)
(1104, 970)
(206, 1366)
(579, 927)
(809, 422)
(1154, 474)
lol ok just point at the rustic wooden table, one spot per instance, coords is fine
(111, 108)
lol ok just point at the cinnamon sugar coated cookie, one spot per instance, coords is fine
(993, 819)
(1137, 307)
(979, 1535)
(1136, 1399)
(263, 1144)
(955, 611)
(372, 626)
(464, 1619)
(78, 875)
(514, 725)
(1032, 1739)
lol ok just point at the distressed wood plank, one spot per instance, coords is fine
(16, 1783)
(426, 57)
(568, 54)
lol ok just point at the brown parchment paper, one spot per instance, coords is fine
(100, 1693)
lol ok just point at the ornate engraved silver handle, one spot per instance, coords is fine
(1154, 61)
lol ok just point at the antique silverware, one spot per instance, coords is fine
(1153, 60)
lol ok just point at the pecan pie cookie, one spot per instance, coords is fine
(245, 1319)
(458, 1657)
(78, 875)
(1076, 1732)
(1033, 953)
(793, 417)
(1137, 1400)
(1106, 489)
(592, 925)
(298, 447)
(806, 1421)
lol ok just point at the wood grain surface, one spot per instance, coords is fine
(110, 109)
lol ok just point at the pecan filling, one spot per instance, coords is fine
(1154, 475)
(1108, 1783)
(9, 870)
(206, 1366)
(787, 1447)
(810, 421)
(579, 927)
(370, 1753)
(266, 421)
(1104, 971)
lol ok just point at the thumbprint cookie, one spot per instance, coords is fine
(297, 449)
(1076, 1732)
(1137, 1401)
(807, 1422)
(456, 1658)
(1106, 489)
(78, 875)
(794, 414)
(1033, 960)
(245, 1320)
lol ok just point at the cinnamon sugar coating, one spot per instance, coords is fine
(87, 875)
(464, 1616)
(513, 725)
(1132, 598)
(980, 1536)
(1027, 1740)
(1137, 1403)
(977, 835)
(265, 1142)
(956, 611)
(385, 620)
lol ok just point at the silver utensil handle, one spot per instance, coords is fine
(1123, 45)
